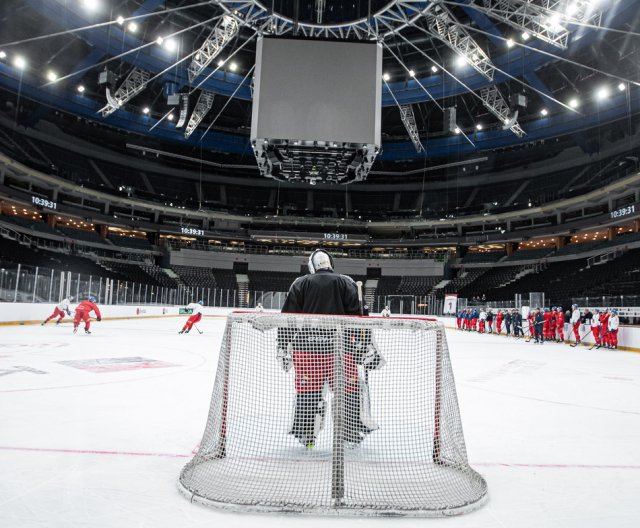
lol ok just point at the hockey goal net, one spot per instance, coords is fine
(334, 415)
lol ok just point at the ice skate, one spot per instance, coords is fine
(87, 331)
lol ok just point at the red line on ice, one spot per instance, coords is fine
(92, 452)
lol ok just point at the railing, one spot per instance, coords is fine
(35, 284)
(439, 255)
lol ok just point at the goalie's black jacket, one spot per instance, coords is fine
(323, 292)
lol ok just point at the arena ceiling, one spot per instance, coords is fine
(574, 61)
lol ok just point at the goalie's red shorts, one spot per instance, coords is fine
(313, 370)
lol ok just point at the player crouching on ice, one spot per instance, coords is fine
(196, 315)
(59, 311)
(310, 350)
(82, 314)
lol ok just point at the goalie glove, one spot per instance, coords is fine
(371, 358)
(285, 357)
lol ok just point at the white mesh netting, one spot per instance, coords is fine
(334, 415)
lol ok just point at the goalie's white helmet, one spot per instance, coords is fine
(318, 260)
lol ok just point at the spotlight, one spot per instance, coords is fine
(525, 36)
(120, 20)
(602, 93)
(52, 76)
(170, 118)
(621, 87)
(19, 62)
(457, 130)
(412, 73)
(386, 76)
(81, 88)
(510, 43)
(145, 110)
(90, 5)
(574, 103)
(544, 112)
(233, 66)
(170, 44)
(478, 126)
(434, 69)
(220, 63)
(132, 27)
(461, 61)
(159, 41)
(3, 55)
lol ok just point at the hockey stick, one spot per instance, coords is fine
(359, 285)
(199, 331)
(581, 339)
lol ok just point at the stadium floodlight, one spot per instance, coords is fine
(233, 66)
(132, 27)
(146, 110)
(434, 69)
(3, 55)
(525, 36)
(220, 63)
(510, 43)
(120, 20)
(622, 87)
(52, 76)
(412, 73)
(457, 130)
(574, 103)
(478, 126)
(80, 88)
(90, 5)
(544, 112)
(386, 77)
(602, 93)
(170, 117)
(19, 62)
(159, 41)
(170, 44)
(461, 61)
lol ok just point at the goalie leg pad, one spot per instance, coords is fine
(309, 416)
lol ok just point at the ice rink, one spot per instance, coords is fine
(94, 430)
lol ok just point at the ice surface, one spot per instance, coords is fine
(94, 430)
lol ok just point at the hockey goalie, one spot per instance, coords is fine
(310, 350)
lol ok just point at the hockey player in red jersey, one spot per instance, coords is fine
(560, 324)
(548, 324)
(196, 315)
(604, 326)
(499, 318)
(59, 311)
(82, 314)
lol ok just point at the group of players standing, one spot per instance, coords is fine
(544, 324)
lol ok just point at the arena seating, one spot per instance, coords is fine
(464, 278)
(196, 276)
(159, 275)
(130, 242)
(271, 281)
(133, 272)
(410, 285)
(81, 234)
(530, 254)
(35, 225)
(492, 278)
(480, 257)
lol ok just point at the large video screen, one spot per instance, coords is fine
(315, 90)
